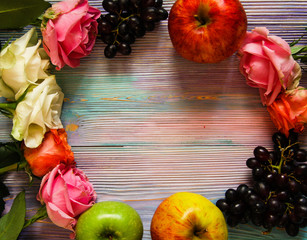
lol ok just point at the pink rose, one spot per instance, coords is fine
(67, 193)
(267, 64)
(69, 31)
(289, 111)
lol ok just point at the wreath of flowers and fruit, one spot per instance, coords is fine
(34, 102)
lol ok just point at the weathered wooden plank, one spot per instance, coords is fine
(150, 124)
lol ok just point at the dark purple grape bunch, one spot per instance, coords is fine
(277, 195)
(127, 20)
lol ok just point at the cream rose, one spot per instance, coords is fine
(21, 63)
(38, 111)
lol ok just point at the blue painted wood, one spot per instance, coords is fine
(150, 124)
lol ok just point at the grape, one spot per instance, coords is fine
(287, 168)
(278, 196)
(149, 26)
(104, 27)
(281, 180)
(257, 219)
(246, 196)
(135, 3)
(150, 14)
(300, 211)
(270, 220)
(295, 218)
(112, 19)
(123, 29)
(110, 51)
(274, 156)
(274, 205)
(292, 229)
(252, 163)
(158, 3)
(291, 151)
(293, 186)
(124, 48)
(293, 137)
(283, 220)
(233, 220)
(282, 195)
(259, 207)
(108, 38)
(222, 205)
(261, 154)
(242, 190)
(111, 6)
(253, 199)
(270, 177)
(139, 31)
(280, 139)
(302, 200)
(147, 3)
(128, 38)
(262, 189)
(127, 20)
(134, 22)
(237, 208)
(300, 155)
(258, 173)
(246, 217)
(123, 4)
(162, 14)
(231, 195)
(300, 170)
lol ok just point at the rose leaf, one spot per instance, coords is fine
(20, 13)
(12, 223)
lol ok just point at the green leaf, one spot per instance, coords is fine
(15, 14)
(298, 49)
(40, 214)
(8, 154)
(11, 157)
(12, 223)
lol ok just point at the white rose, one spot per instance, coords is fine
(38, 111)
(21, 63)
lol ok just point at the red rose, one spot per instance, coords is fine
(52, 151)
(289, 111)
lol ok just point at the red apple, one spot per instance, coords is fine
(207, 31)
(188, 216)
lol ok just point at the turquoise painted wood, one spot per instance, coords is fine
(150, 124)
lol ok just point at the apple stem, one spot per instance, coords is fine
(202, 15)
(110, 237)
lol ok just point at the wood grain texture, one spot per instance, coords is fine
(150, 124)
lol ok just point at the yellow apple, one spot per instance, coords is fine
(188, 216)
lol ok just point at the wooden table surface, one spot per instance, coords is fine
(151, 124)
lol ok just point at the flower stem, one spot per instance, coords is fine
(12, 167)
(40, 214)
(8, 109)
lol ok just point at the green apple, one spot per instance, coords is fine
(109, 220)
